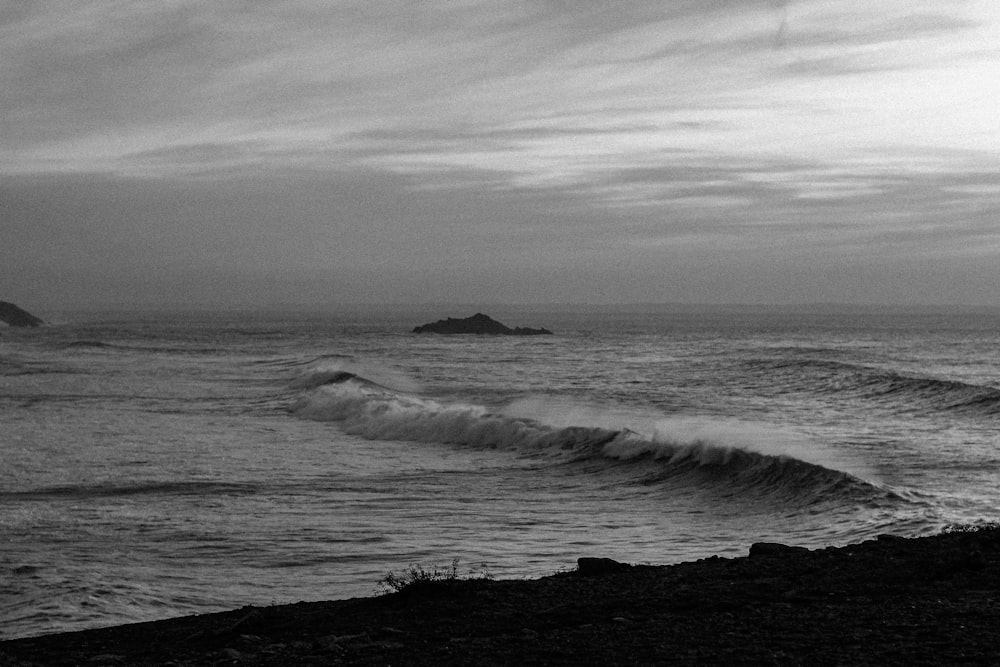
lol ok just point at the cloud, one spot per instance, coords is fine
(99, 83)
(547, 141)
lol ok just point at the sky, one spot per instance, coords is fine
(248, 153)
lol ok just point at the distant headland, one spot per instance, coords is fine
(17, 317)
(477, 324)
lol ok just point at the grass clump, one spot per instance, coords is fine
(416, 577)
(982, 526)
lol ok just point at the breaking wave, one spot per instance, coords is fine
(737, 460)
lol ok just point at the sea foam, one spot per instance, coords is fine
(698, 450)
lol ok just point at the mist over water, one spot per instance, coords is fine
(161, 466)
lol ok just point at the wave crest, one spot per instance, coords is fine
(334, 369)
(902, 392)
(674, 453)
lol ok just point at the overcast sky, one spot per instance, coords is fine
(499, 151)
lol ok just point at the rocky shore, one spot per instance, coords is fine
(923, 601)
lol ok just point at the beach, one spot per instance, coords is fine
(891, 600)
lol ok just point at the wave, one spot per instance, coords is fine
(905, 393)
(114, 489)
(12, 367)
(89, 343)
(677, 452)
(335, 368)
(296, 362)
(928, 392)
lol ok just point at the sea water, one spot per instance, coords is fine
(160, 465)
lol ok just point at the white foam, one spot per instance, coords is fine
(707, 439)
(537, 424)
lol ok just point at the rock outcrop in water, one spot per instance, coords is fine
(477, 324)
(17, 317)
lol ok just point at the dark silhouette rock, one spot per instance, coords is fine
(880, 602)
(16, 317)
(477, 324)
(590, 567)
(888, 537)
(773, 549)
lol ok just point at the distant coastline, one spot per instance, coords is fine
(16, 316)
(507, 311)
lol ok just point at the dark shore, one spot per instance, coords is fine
(932, 600)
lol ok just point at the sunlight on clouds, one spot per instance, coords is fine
(835, 191)
(977, 189)
(813, 79)
(661, 198)
(887, 84)
(815, 130)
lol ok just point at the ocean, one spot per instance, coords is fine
(158, 465)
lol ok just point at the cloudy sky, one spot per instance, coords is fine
(499, 151)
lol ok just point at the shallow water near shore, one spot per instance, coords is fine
(164, 465)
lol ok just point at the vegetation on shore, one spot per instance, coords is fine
(417, 577)
(892, 600)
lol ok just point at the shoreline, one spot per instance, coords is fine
(893, 600)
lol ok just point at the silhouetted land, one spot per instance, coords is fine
(17, 317)
(479, 324)
(932, 600)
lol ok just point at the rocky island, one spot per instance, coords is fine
(17, 317)
(889, 601)
(477, 324)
